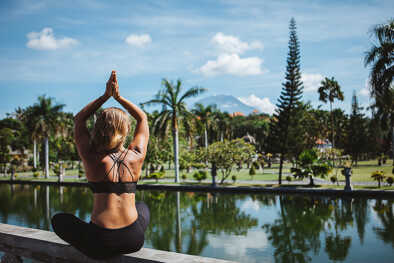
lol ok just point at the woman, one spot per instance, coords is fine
(117, 223)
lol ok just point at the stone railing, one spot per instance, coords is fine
(44, 246)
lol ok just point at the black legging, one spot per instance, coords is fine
(100, 243)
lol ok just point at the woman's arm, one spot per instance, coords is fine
(81, 133)
(141, 133)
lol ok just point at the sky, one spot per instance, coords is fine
(67, 49)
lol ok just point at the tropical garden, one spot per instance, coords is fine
(202, 144)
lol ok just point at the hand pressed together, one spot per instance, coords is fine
(112, 87)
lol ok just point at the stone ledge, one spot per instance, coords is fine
(46, 246)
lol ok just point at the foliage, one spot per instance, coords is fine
(183, 177)
(284, 133)
(234, 178)
(333, 179)
(252, 171)
(174, 107)
(356, 131)
(288, 178)
(225, 155)
(309, 165)
(36, 174)
(378, 176)
(156, 176)
(390, 180)
(329, 91)
(200, 175)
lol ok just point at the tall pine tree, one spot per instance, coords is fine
(285, 124)
(356, 131)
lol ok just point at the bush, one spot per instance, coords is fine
(36, 174)
(256, 165)
(252, 171)
(156, 176)
(184, 177)
(390, 180)
(378, 176)
(200, 175)
(234, 178)
(333, 179)
(288, 178)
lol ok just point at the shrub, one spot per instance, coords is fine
(36, 174)
(156, 176)
(184, 177)
(333, 179)
(378, 176)
(288, 178)
(256, 165)
(390, 180)
(234, 178)
(252, 171)
(200, 175)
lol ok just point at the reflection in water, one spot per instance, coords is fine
(384, 211)
(245, 228)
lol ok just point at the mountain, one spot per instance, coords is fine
(227, 103)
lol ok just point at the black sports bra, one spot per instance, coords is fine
(115, 187)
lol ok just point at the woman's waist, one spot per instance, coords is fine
(114, 215)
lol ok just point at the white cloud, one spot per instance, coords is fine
(240, 247)
(365, 91)
(232, 64)
(262, 105)
(231, 44)
(311, 81)
(45, 40)
(138, 40)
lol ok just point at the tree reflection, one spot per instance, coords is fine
(301, 221)
(384, 211)
(35, 204)
(199, 214)
(337, 247)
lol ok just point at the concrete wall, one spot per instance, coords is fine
(46, 246)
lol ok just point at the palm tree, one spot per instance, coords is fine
(330, 90)
(381, 59)
(205, 117)
(174, 107)
(46, 118)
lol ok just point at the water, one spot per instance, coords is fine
(240, 227)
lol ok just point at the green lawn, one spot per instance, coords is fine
(361, 173)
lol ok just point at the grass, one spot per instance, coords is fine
(361, 173)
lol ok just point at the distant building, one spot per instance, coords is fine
(237, 113)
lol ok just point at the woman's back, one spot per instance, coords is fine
(118, 171)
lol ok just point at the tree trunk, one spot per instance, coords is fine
(280, 168)
(311, 182)
(392, 143)
(34, 153)
(206, 138)
(176, 157)
(46, 157)
(213, 174)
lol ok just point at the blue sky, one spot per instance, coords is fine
(66, 49)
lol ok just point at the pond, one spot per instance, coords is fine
(240, 227)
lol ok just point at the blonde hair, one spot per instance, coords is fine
(110, 129)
